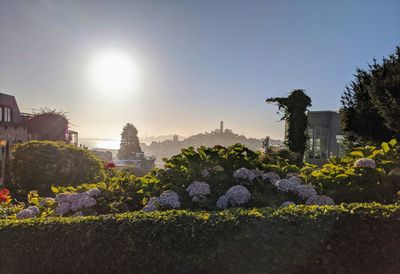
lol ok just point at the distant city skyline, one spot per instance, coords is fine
(183, 66)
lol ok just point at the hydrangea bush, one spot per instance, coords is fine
(365, 174)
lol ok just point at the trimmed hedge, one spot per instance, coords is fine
(341, 239)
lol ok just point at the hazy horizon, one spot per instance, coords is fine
(183, 66)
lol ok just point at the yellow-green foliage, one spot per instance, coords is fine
(345, 182)
(301, 239)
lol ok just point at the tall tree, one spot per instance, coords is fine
(129, 142)
(294, 109)
(385, 89)
(370, 113)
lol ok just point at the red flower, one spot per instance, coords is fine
(110, 165)
(5, 191)
(5, 196)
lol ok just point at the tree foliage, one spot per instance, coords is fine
(370, 112)
(294, 109)
(36, 165)
(129, 142)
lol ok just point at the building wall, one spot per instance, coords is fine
(323, 130)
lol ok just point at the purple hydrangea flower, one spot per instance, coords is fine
(320, 200)
(198, 189)
(25, 214)
(258, 172)
(88, 202)
(365, 162)
(150, 205)
(34, 209)
(61, 197)
(244, 174)
(305, 191)
(94, 192)
(295, 180)
(169, 198)
(238, 195)
(222, 202)
(287, 203)
(205, 173)
(271, 177)
(62, 208)
(285, 185)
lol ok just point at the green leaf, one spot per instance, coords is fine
(393, 142)
(54, 189)
(34, 201)
(357, 153)
(385, 147)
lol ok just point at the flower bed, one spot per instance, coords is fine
(348, 238)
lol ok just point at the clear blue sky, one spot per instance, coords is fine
(200, 61)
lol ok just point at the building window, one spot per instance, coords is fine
(7, 114)
(318, 142)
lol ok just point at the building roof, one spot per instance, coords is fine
(10, 101)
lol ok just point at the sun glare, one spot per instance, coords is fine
(113, 71)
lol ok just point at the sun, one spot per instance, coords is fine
(113, 71)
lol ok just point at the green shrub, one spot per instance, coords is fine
(37, 165)
(220, 163)
(345, 182)
(357, 238)
(284, 155)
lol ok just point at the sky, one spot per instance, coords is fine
(196, 62)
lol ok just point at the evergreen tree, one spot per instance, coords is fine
(129, 143)
(370, 112)
(294, 109)
(385, 90)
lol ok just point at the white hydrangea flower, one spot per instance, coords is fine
(222, 202)
(238, 195)
(320, 200)
(365, 162)
(285, 185)
(205, 173)
(287, 203)
(169, 198)
(218, 169)
(198, 190)
(150, 206)
(271, 177)
(76, 201)
(244, 174)
(305, 191)
(94, 192)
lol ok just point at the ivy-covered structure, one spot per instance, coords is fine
(17, 127)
